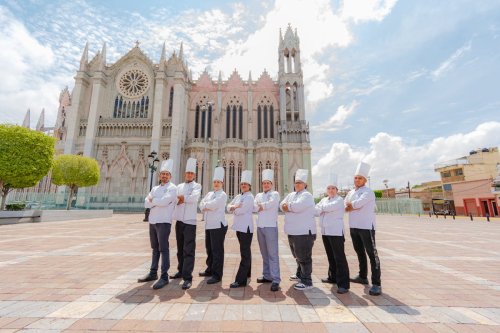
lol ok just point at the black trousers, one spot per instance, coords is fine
(301, 247)
(185, 235)
(338, 269)
(245, 269)
(158, 237)
(363, 241)
(214, 243)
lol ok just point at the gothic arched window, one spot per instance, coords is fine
(228, 122)
(231, 179)
(234, 119)
(240, 170)
(259, 168)
(240, 121)
(196, 121)
(276, 176)
(265, 119)
(171, 102)
(259, 122)
(209, 125)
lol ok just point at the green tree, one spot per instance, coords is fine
(74, 171)
(26, 156)
(378, 193)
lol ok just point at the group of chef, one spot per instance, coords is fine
(168, 202)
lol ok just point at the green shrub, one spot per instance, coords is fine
(16, 206)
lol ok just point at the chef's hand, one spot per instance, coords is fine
(180, 199)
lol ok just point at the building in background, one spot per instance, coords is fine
(120, 113)
(467, 182)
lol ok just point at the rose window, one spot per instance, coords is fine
(133, 83)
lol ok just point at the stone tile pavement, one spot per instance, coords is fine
(77, 276)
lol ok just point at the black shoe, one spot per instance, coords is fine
(375, 290)
(341, 290)
(328, 280)
(204, 273)
(160, 283)
(148, 277)
(359, 279)
(186, 285)
(237, 285)
(263, 280)
(275, 286)
(177, 275)
(212, 280)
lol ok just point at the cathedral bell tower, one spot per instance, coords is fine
(290, 78)
(293, 128)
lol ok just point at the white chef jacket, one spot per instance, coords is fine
(186, 212)
(213, 206)
(163, 204)
(331, 215)
(300, 218)
(270, 202)
(363, 202)
(243, 216)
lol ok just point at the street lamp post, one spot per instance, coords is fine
(152, 159)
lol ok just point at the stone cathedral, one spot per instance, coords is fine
(119, 113)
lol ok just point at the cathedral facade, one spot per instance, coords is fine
(122, 112)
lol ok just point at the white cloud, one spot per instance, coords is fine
(337, 120)
(22, 60)
(449, 63)
(366, 10)
(391, 158)
(319, 27)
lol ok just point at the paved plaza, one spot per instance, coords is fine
(76, 276)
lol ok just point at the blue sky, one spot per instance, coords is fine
(399, 84)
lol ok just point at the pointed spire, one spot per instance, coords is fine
(249, 77)
(26, 121)
(163, 54)
(85, 57)
(162, 58)
(220, 77)
(190, 75)
(40, 125)
(102, 64)
(181, 51)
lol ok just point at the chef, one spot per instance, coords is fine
(188, 194)
(161, 202)
(331, 220)
(213, 207)
(360, 204)
(242, 209)
(266, 205)
(300, 226)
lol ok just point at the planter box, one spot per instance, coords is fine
(31, 216)
(19, 216)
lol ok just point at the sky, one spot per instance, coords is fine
(399, 84)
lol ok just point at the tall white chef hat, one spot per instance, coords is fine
(246, 177)
(333, 180)
(167, 166)
(301, 175)
(268, 175)
(219, 174)
(191, 165)
(363, 169)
